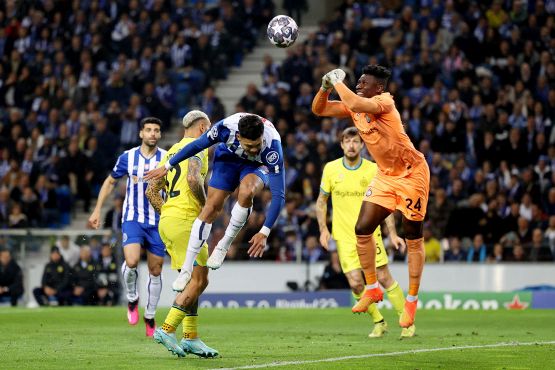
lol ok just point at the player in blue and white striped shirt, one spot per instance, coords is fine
(139, 220)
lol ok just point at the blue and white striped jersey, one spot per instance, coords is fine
(136, 206)
(225, 133)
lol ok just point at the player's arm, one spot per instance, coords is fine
(153, 194)
(217, 134)
(396, 240)
(106, 189)
(119, 170)
(277, 188)
(358, 104)
(195, 180)
(321, 106)
(321, 216)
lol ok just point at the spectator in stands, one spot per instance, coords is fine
(108, 286)
(477, 252)
(538, 247)
(497, 254)
(84, 279)
(434, 254)
(55, 286)
(11, 278)
(455, 252)
(113, 216)
(68, 249)
(333, 277)
(518, 254)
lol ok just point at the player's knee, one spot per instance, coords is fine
(211, 210)
(358, 287)
(384, 277)
(362, 228)
(132, 263)
(246, 194)
(155, 270)
(413, 229)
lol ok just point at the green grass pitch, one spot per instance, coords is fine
(100, 338)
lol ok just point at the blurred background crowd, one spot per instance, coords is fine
(474, 82)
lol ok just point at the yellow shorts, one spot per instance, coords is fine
(348, 256)
(175, 234)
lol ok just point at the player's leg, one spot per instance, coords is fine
(154, 289)
(250, 185)
(185, 304)
(191, 342)
(413, 193)
(350, 265)
(394, 294)
(200, 232)
(416, 258)
(370, 217)
(132, 241)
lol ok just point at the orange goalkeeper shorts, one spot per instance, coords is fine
(408, 194)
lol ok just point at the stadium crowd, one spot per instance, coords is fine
(475, 85)
(76, 77)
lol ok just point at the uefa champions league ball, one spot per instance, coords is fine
(282, 31)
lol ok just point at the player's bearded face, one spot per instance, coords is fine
(150, 135)
(367, 86)
(352, 146)
(251, 147)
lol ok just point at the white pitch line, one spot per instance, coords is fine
(399, 353)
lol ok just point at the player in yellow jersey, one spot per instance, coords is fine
(185, 197)
(346, 180)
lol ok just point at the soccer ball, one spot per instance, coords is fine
(282, 31)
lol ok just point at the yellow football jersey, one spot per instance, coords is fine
(346, 188)
(180, 201)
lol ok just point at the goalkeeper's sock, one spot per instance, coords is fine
(416, 257)
(373, 310)
(199, 234)
(190, 326)
(239, 216)
(366, 249)
(396, 297)
(175, 316)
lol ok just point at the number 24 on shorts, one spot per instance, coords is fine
(416, 205)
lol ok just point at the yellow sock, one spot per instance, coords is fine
(375, 313)
(190, 325)
(396, 297)
(372, 310)
(175, 316)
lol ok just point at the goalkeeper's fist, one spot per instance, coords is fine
(335, 76)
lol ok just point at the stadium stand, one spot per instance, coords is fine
(475, 85)
(76, 77)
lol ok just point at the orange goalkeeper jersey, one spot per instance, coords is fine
(386, 138)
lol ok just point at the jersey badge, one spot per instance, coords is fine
(272, 157)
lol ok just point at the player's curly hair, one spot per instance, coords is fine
(251, 127)
(381, 73)
(150, 120)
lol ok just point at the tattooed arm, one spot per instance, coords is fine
(195, 180)
(153, 194)
(321, 215)
(397, 241)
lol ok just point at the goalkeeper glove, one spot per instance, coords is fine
(335, 76)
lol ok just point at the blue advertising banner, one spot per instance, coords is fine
(543, 299)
